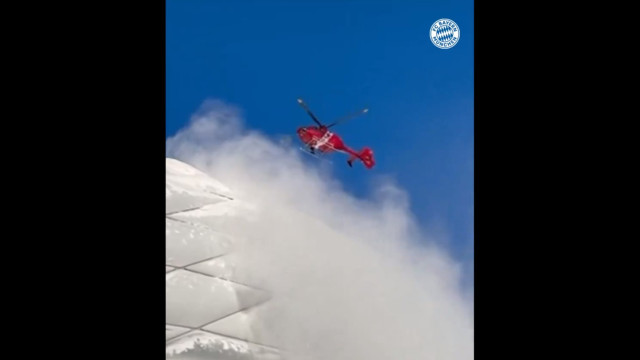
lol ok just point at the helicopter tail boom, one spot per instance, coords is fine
(365, 155)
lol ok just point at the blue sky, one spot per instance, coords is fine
(340, 56)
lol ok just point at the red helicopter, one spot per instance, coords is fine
(320, 139)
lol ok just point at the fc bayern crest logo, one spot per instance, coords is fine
(445, 33)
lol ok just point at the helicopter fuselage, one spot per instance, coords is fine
(321, 139)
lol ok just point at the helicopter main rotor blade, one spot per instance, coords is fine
(304, 106)
(348, 117)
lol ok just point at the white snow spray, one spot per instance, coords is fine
(351, 278)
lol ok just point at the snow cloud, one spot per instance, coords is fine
(351, 278)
